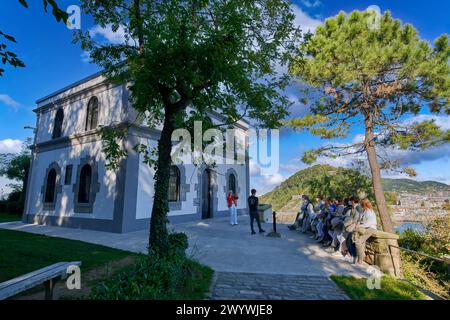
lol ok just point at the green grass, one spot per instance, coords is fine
(22, 252)
(6, 217)
(391, 289)
(196, 285)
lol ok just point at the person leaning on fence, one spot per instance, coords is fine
(366, 226)
(253, 211)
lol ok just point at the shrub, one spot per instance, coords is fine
(172, 276)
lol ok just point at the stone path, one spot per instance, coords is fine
(255, 286)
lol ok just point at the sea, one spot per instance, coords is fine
(415, 226)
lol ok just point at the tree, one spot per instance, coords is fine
(361, 75)
(16, 167)
(8, 57)
(203, 54)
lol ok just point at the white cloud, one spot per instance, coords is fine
(442, 121)
(305, 21)
(85, 57)
(311, 3)
(255, 169)
(10, 102)
(273, 180)
(10, 146)
(108, 34)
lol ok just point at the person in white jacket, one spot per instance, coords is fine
(366, 226)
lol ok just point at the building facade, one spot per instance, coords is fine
(69, 182)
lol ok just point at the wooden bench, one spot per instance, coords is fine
(47, 276)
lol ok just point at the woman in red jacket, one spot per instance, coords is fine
(232, 206)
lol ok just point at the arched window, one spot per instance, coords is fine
(57, 128)
(50, 187)
(84, 190)
(174, 184)
(92, 114)
(232, 183)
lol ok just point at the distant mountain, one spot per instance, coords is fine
(337, 182)
(412, 186)
(316, 180)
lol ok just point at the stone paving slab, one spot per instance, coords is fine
(257, 286)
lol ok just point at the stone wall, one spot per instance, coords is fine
(382, 250)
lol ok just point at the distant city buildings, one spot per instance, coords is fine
(417, 206)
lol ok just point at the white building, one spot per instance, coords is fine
(70, 186)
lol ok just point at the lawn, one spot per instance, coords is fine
(22, 252)
(391, 289)
(5, 217)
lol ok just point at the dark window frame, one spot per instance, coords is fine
(58, 124)
(92, 114)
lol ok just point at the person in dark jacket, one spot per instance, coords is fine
(253, 211)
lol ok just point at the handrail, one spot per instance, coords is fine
(421, 254)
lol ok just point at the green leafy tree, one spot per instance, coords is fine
(210, 55)
(9, 57)
(16, 167)
(361, 75)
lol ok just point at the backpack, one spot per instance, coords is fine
(253, 203)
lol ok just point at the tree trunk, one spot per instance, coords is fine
(376, 177)
(158, 239)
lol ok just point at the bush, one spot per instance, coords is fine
(423, 271)
(173, 276)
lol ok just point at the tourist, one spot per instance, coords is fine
(366, 226)
(299, 219)
(350, 223)
(232, 205)
(321, 217)
(253, 211)
(309, 215)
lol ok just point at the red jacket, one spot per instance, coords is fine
(231, 199)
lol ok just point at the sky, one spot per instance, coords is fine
(53, 61)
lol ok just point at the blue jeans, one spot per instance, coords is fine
(351, 245)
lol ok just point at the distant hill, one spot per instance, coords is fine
(412, 186)
(337, 182)
(320, 179)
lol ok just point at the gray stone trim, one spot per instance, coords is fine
(198, 201)
(74, 222)
(226, 187)
(184, 188)
(130, 184)
(50, 206)
(247, 171)
(95, 186)
(84, 93)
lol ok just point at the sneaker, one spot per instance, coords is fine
(253, 232)
(262, 231)
(319, 240)
(337, 254)
(347, 258)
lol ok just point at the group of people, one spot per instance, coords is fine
(252, 208)
(342, 225)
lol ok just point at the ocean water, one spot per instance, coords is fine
(415, 226)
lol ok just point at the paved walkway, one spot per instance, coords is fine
(293, 258)
(257, 286)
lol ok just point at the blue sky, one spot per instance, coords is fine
(53, 61)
